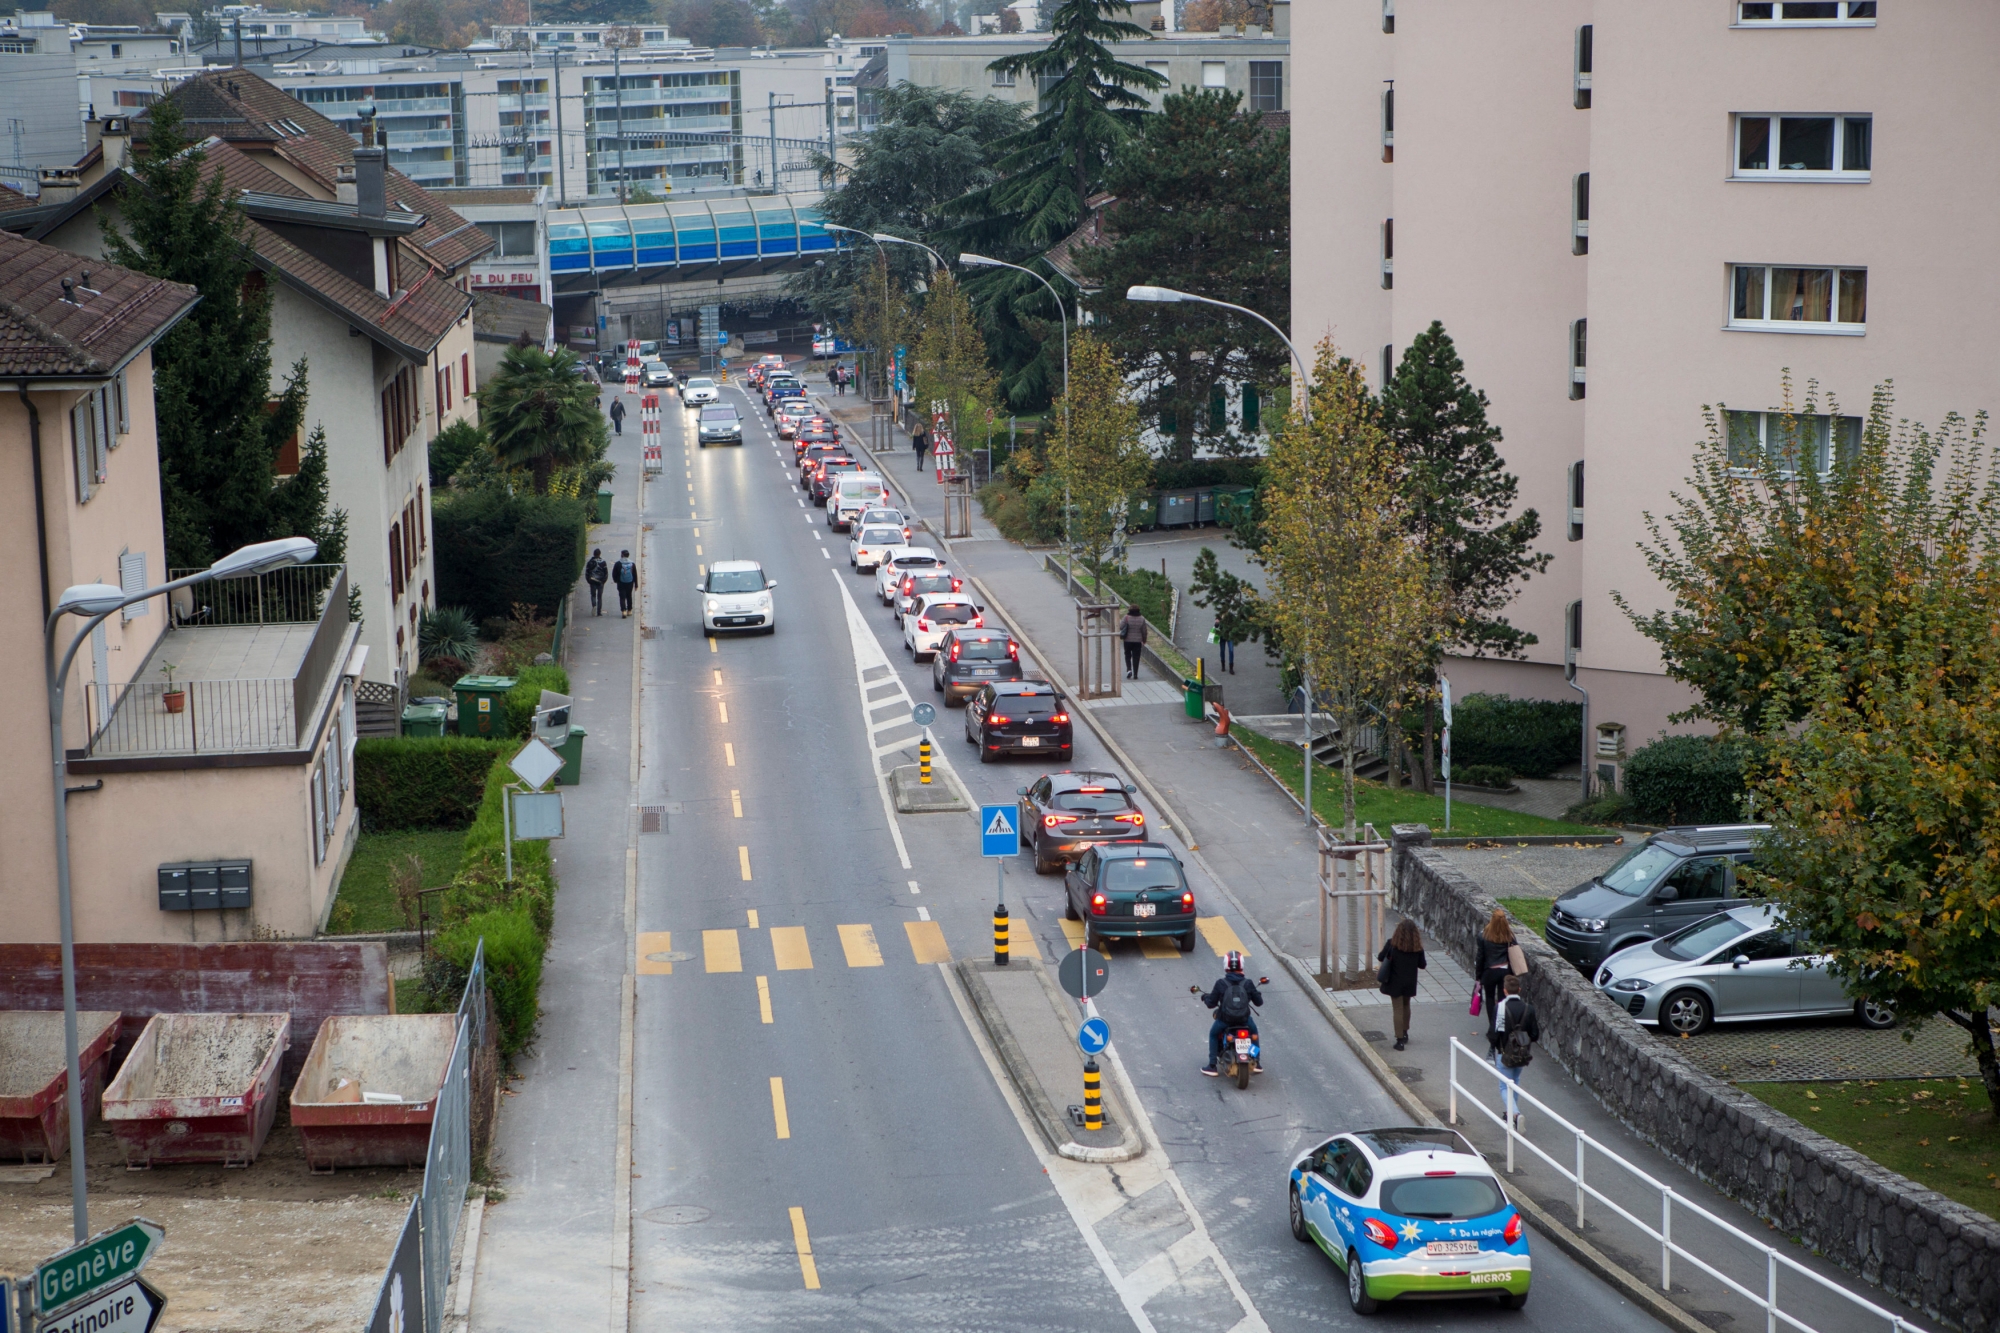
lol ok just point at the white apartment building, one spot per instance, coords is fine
(1623, 213)
(46, 70)
(586, 38)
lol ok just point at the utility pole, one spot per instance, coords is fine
(771, 113)
(555, 95)
(618, 95)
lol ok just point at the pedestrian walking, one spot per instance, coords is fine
(626, 575)
(846, 378)
(596, 573)
(1225, 652)
(1132, 630)
(920, 442)
(617, 416)
(1516, 1029)
(1401, 958)
(1495, 956)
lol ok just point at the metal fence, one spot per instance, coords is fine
(214, 716)
(1726, 1244)
(293, 595)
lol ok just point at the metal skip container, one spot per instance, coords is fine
(369, 1088)
(34, 1076)
(198, 1088)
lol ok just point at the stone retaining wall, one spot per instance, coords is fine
(1924, 1249)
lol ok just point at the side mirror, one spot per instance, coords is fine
(770, 583)
(1740, 960)
(1668, 893)
(1020, 791)
(700, 588)
(1131, 787)
(1194, 990)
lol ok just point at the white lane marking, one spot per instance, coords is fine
(923, 914)
(914, 888)
(828, 554)
(868, 654)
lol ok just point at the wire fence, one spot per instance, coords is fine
(192, 717)
(293, 595)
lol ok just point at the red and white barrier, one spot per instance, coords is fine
(649, 432)
(632, 366)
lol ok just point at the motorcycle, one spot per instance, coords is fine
(1241, 1047)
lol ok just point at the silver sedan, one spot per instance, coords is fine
(1737, 966)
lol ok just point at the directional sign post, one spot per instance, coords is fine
(1083, 973)
(999, 835)
(1093, 1036)
(103, 1262)
(133, 1306)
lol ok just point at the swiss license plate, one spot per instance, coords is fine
(982, 671)
(1145, 909)
(1030, 742)
(1438, 1247)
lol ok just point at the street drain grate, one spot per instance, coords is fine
(652, 819)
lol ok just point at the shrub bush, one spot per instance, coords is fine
(494, 550)
(409, 782)
(1480, 775)
(514, 949)
(1169, 474)
(1531, 737)
(529, 683)
(1689, 780)
(481, 882)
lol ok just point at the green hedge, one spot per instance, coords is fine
(514, 949)
(1689, 780)
(529, 682)
(494, 550)
(1480, 775)
(1169, 475)
(1529, 737)
(409, 782)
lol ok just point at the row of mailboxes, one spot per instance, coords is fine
(195, 886)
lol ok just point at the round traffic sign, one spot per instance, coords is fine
(923, 715)
(1083, 972)
(1093, 1036)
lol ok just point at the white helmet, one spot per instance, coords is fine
(1232, 961)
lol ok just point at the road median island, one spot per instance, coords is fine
(913, 797)
(1023, 1015)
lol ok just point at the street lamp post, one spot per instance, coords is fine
(981, 261)
(98, 602)
(1168, 296)
(869, 236)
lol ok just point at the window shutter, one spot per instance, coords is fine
(132, 579)
(1388, 253)
(1577, 340)
(1579, 225)
(1389, 124)
(79, 433)
(396, 559)
(122, 403)
(1576, 501)
(1583, 60)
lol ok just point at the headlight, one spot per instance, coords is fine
(1592, 924)
(714, 605)
(1632, 985)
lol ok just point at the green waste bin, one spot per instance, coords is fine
(482, 706)
(1233, 504)
(604, 503)
(571, 751)
(1142, 512)
(1193, 688)
(424, 720)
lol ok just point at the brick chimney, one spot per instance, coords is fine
(370, 165)
(116, 142)
(343, 184)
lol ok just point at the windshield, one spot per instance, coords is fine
(1638, 870)
(701, 384)
(883, 516)
(871, 536)
(736, 580)
(1702, 938)
(923, 583)
(1442, 1197)
(949, 613)
(1096, 802)
(983, 650)
(718, 414)
(1145, 872)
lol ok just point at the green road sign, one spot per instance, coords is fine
(98, 1264)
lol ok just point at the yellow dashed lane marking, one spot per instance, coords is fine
(725, 709)
(784, 1121)
(753, 917)
(858, 942)
(1073, 932)
(728, 750)
(720, 952)
(764, 999)
(927, 941)
(803, 1243)
(1220, 937)
(789, 947)
(712, 648)
(653, 942)
(736, 803)
(743, 861)
(697, 548)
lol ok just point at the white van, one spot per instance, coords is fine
(853, 493)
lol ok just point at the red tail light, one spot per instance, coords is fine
(995, 717)
(1187, 901)
(1050, 821)
(923, 626)
(1134, 818)
(1013, 652)
(956, 584)
(1062, 718)
(1379, 1233)
(979, 622)
(1097, 904)
(954, 650)
(1513, 1231)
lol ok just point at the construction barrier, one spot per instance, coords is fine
(649, 431)
(632, 366)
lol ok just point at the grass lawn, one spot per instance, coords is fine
(1530, 912)
(366, 901)
(1382, 806)
(1940, 1132)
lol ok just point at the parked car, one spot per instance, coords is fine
(736, 595)
(719, 425)
(1733, 967)
(1128, 890)
(1673, 879)
(895, 564)
(935, 613)
(969, 658)
(1065, 814)
(699, 390)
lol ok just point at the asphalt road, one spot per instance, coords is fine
(819, 1137)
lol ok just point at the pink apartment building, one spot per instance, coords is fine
(1626, 212)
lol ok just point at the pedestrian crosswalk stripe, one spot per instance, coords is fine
(720, 951)
(1220, 937)
(789, 948)
(858, 942)
(653, 948)
(927, 941)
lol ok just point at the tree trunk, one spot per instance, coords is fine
(1982, 1050)
(1347, 733)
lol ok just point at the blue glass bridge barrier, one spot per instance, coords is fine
(686, 231)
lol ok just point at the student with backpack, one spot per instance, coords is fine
(1515, 1030)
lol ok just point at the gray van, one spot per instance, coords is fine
(1673, 879)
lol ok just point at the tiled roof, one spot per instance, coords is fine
(413, 320)
(12, 199)
(44, 335)
(1089, 235)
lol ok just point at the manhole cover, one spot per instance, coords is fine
(676, 1215)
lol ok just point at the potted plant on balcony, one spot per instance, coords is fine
(174, 699)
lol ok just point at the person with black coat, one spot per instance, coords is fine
(1401, 958)
(1494, 955)
(596, 573)
(626, 575)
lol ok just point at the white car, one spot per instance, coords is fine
(935, 615)
(736, 596)
(700, 390)
(886, 514)
(898, 562)
(866, 547)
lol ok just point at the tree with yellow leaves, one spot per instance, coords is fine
(1095, 453)
(951, 365)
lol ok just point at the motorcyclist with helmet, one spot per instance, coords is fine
(1235, 1000)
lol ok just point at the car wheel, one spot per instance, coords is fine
(1874, 1016)
(1045, 867)
(1093, 940)
(1298, 1211)
(1069, 907)
(707, 631)
(937, 687)
(1686, 1012)
(1512, 1300)
(986, 756)
(1357, 1287)
(1187, 942)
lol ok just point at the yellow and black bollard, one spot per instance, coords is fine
(924, 760)
(1093, 1098)
(1000, 935)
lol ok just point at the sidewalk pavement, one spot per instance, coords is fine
(1256, 841)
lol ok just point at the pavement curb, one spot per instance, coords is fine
(1033, 1095)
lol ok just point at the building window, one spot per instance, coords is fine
(1003, 78)
(1218, 410)
(1388, 15)
(1784, 438)
(1388, 365)
(395, 560)
(1799, 300)
(90, 435)
(1804, 147)
(1579, 214)
(132, 579)
(1253, 406)
(1578, 337)
(1572, 634)
(1389, 125)
(400, 409)
(1267, 85)
(1576, 501)
(1214, 74)
(1805, 13)
(1583, 44)
(1388, 253)
(465, 374)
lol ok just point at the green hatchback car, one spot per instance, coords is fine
(1126, 890)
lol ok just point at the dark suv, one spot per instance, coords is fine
(1128, 890)
(1019, 717)
(1673, 879)
(1066, 814)
(969, 658)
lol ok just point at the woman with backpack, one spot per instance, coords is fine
(1401, 958)
(1495, 956)
(1515, 1030)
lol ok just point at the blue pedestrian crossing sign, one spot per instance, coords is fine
(999, 834)
(1093, 1036)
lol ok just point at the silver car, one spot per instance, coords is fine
(1737, 966)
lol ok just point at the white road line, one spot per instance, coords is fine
(914, 888)
(867, 655)
(923, 914)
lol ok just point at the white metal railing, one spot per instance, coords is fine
(1670, 1203)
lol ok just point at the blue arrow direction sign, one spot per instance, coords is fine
(1094, 1035)
(999, 834)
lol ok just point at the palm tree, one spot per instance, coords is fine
(540, 413)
